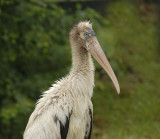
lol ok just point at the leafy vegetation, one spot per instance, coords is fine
(34, 38)
(131, 42)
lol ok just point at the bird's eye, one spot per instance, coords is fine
(86, 34)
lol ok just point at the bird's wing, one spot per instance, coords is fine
(90, 122)
(50, 119)
(64, 127)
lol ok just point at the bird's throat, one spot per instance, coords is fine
(81, 60)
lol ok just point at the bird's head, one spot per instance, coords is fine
(83, 35)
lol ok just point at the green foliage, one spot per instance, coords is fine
(131, 43)
(34, 52)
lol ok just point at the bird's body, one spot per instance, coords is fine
(65, 110)
(67, 102)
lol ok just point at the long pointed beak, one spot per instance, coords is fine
(96, 51)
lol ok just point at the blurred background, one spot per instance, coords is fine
(35, 52)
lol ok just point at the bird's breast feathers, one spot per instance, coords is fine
(60, 107)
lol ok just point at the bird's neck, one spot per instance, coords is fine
(82, 71)
(81, 60)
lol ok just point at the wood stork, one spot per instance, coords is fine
(65, 110)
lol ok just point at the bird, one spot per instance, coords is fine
(65, 110)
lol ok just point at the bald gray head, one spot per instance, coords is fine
(81, 32)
